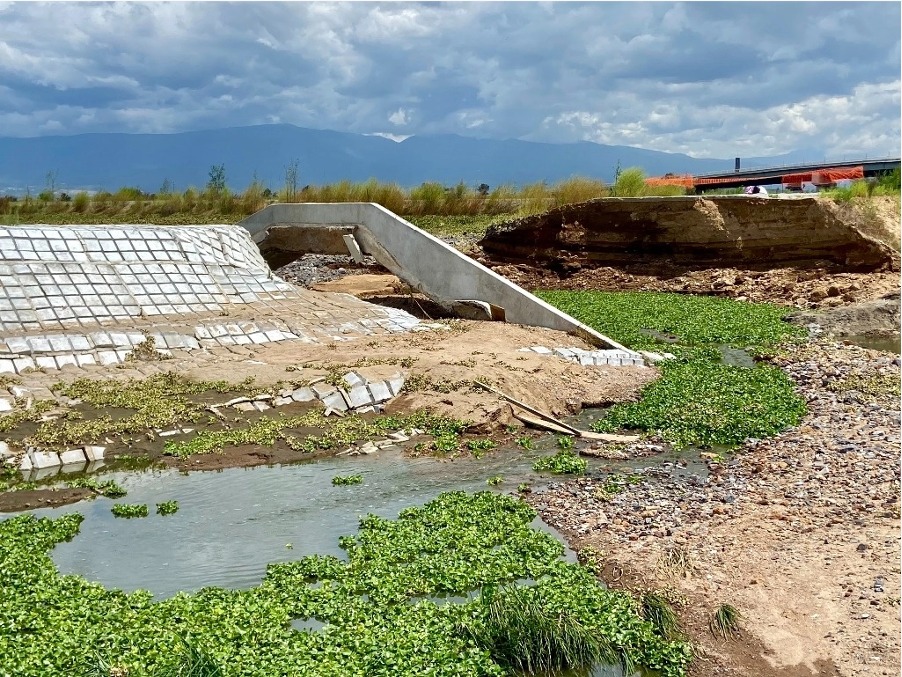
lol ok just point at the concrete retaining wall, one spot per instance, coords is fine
(422, 261)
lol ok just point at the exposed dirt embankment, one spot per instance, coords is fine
(697, 232)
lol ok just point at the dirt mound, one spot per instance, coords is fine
(872, 318)
(727, 231)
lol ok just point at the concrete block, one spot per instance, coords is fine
(322, 390)
(541, 350)
(22, 363)
(25, 465)
(353, 379)
(45, 362)
(4, 450)
(365, 410)
(94, 453)
(281, 401)
(336, 401)
(5, 404)
(303, 395)
(566, 353)
(245, 406)
(395, 384)
(358, 396)
(107, 357)
(261, 406)
(80, 343)
(85, 359)
(73, 467)
(7, 366)
(72, 456)
(65, 360)
(43, 459)
(17, 344)
(380, 391)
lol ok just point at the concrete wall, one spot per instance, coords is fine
(423, 261)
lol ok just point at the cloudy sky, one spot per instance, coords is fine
(708, 79)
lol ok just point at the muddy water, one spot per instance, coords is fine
(889, 344)
(232, 523)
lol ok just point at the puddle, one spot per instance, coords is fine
(735, 357)
(660, 335)
(888, 344)
(231, 523)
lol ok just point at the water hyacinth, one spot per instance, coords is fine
(379, 617)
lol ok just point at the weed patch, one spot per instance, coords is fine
(376, 604)
(698, 400)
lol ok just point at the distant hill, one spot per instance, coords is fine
(110, 161)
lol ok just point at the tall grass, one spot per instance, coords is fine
(195, 205)
(521, 634)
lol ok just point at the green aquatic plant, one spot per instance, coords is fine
(129, 510)
(565, 442)
(344, 480)
(494, 481)
(698, 400)
(378, 604)
(108, 488)
(167, 508)
(561, 463)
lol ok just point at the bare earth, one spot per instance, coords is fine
(799, 532)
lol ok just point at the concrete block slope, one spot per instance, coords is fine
(422, 260)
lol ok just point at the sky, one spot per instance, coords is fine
(703, 78)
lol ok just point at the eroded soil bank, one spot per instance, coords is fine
(698, 232)
(798, 532)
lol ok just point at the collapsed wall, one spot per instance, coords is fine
(725, 231)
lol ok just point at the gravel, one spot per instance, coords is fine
(311, 269)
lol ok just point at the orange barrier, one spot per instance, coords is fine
(684, 180)
(824, 177)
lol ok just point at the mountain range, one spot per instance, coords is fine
(110, 161)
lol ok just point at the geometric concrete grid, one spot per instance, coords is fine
(85, 295)
(589, 358)
(58, 277)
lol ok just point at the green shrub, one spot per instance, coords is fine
(629, 183)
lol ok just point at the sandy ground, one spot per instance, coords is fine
(799, 532)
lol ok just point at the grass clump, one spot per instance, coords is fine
(129, 510)
(724, 622)
(562, 463)
(523, 632)
(657, 610)
(345, 480)
(167, 508)
(698, 400)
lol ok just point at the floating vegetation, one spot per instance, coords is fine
(561, 463)
(344, 480)
(376, 604)
(725, 621)
(494, 481)
(698, 400)
(108, 488)
(167, 508)
(129, 510)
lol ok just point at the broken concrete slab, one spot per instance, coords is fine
(420, 259)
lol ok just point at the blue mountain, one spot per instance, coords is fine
(111, 161)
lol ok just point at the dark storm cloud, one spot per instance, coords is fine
(701, 78)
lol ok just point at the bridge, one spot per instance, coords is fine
(790, 176)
